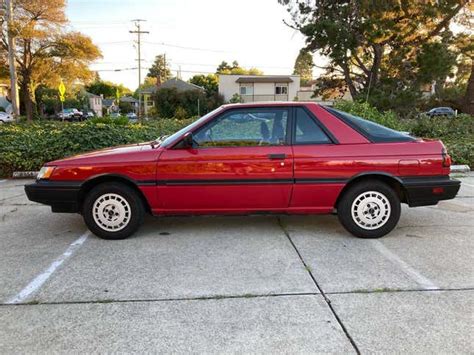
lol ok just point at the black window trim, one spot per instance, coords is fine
(332, 139)
(229, 111)
(369, 137)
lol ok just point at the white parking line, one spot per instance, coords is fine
(39, 280)
(424, 282)
(2, 181)
(463, 183)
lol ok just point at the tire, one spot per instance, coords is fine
(369, 209)
(113, 211)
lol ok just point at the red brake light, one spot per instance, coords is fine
(446, 158)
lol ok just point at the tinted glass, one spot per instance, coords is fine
(260, 127)
(166, 142)
(373, 131)
(307, 130)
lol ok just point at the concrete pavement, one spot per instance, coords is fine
(294, 284)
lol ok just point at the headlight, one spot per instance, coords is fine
(45, 172)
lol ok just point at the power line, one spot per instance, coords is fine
(185, 47)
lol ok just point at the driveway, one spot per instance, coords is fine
(236, 284)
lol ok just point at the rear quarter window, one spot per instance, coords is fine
(374, 132)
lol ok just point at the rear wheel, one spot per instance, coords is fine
(369, 209)
(113, 211)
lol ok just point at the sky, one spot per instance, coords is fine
(195, 35)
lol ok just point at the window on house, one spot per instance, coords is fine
(246, 90)
(281, 89)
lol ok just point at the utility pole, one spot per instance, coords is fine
(11, 59)
(138, 31)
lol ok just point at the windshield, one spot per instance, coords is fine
(182, 131)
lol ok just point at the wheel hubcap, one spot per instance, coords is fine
(370, 210)
(111, 212)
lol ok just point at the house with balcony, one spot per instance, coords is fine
(255, 88)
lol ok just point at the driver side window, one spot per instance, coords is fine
(245, 128)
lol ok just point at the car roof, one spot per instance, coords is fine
(269, 103)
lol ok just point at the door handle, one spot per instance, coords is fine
(276, 156)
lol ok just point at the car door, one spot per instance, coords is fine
(315, 164)
(241, 161)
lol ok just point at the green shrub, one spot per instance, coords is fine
(119, 121)
(28, 146)
(365, 110)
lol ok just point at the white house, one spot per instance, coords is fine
(254, 88)
(306, 94)
(95, 103)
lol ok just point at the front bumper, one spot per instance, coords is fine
(61, 196)
(426, 191)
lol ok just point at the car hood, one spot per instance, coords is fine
(108, 155)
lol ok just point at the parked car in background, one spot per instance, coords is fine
(70, 114)
(441, 111)
(6, 118)
(288, 157)
(132, 116)
(89, 114)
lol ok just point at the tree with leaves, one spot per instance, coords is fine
(304, 67)
(45, 52)
(209, 82)
(392, 48)
(107, 89)
(236, 69)
(160, 69)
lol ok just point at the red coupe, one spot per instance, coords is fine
(288, 158)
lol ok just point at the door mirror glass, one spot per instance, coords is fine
(188, 141)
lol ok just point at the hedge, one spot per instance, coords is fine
(25, 147)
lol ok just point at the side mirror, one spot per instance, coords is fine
(188, 141)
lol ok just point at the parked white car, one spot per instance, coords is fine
(5, 118)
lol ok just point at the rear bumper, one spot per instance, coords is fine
(426, 191)
(61, 196)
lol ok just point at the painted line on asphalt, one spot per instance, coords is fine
(39, 280)
(423, 281)
(2, 181)
(463, 183)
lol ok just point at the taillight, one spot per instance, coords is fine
(446, 158)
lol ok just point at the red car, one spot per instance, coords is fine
(288, 158)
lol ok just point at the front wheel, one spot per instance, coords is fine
(113, 211)
(369, 209)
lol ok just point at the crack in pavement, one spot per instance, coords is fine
(326, 299)
(223, 297)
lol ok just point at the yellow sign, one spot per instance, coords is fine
(62, 89)
(61, 98)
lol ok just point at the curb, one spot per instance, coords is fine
(25, 174)
(460, 168)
